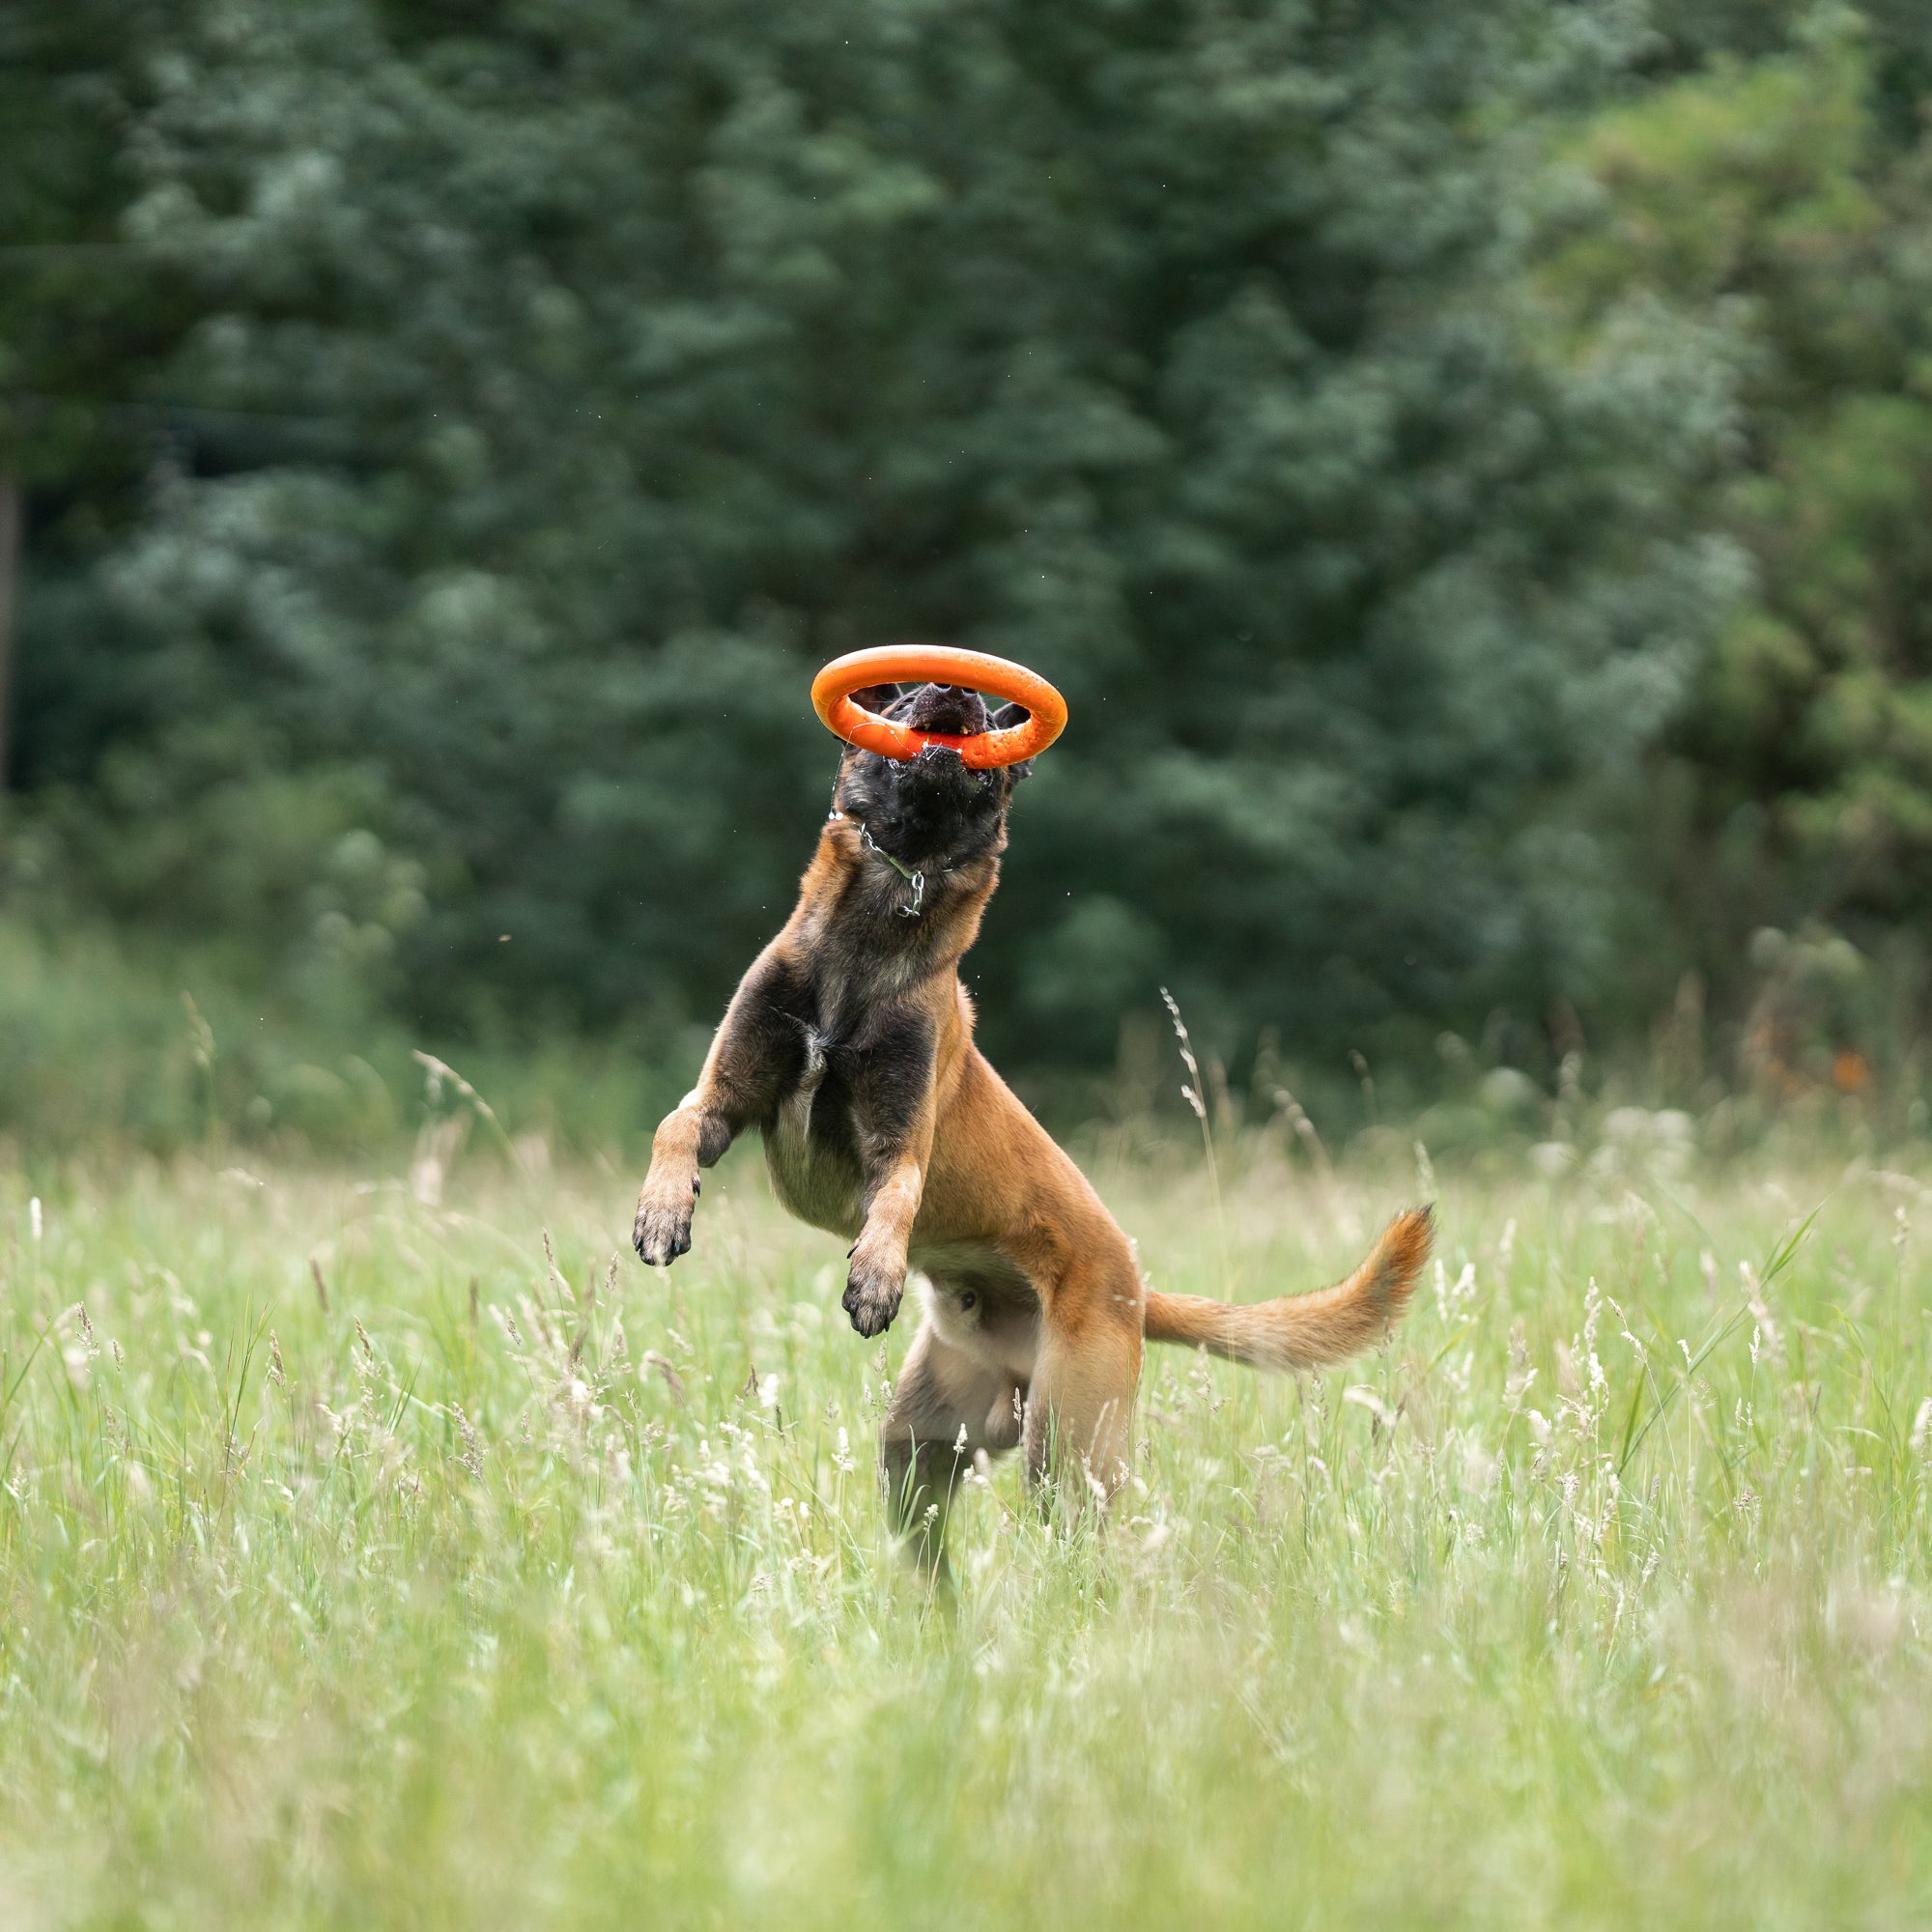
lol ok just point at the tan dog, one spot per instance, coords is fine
(849, 1044)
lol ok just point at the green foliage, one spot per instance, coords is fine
(650, 355)
(87, 320)
(1771, 207)
(80, 312)
(1466, 470)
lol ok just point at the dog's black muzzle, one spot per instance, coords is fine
(948, 708)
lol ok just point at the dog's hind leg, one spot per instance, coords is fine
(945, 1405)
(1080, 1413)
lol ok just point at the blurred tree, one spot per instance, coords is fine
(1775, 208)
(1174, 348)
(86, 317)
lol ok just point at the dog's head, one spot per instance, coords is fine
(934, 810)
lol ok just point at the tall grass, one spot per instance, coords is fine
(102, 1045)
(516, 1586)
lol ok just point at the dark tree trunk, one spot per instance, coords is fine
(9, 585)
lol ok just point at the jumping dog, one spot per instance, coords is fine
(849, 1045)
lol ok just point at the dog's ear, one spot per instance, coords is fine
(877, 698)
(1004, 720)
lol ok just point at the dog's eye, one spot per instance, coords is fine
(968, 1299)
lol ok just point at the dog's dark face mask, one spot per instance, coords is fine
(932, 810)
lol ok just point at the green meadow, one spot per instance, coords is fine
(388, 1548)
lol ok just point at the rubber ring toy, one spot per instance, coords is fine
(938, 664)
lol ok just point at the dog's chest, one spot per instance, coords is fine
(814, 1173)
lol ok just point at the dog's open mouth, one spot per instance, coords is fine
(934, 809)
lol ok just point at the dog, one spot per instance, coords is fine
(849, 1045)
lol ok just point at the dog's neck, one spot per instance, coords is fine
(906, 922)
(914, 877)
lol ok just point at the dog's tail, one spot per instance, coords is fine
(1303, 1331)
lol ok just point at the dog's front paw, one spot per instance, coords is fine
(872, 1296)
(662, 1231)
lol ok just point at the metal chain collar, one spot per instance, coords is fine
(917, 880)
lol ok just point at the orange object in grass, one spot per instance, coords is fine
(938, 664)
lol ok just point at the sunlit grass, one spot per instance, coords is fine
(516, 1587)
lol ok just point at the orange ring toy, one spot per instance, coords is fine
(938, 664)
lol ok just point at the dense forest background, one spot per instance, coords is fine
(1468, 467)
